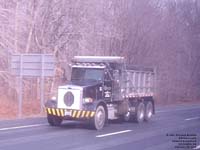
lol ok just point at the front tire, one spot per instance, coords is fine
(54, 120)
(99, 119)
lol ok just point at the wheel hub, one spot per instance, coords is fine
(141, 112)
(100, 117)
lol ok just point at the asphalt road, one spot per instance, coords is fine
(172, 128)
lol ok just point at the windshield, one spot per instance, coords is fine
(87, 74)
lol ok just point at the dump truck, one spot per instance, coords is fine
(103, 88)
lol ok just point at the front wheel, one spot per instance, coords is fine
(54, 120)
(99, 119)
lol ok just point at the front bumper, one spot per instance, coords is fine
(71, 113)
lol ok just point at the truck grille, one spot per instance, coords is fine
(69, 99)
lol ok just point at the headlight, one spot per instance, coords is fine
(87, 100)
(53, 98)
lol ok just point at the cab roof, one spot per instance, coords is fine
(98, 59)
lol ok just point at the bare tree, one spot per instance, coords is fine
(161, 34)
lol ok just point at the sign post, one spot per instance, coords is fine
(20, 88)
(32, 65)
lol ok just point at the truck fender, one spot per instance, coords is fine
(51, 103)
(93, 106)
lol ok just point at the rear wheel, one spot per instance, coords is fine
(127, 116)
(54, 120)
(99, 119)
(148, 111)
(140, 112)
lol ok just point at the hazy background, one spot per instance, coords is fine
(157, 33)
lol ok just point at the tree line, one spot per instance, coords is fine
(161, 34)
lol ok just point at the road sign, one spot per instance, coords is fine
(32, 65)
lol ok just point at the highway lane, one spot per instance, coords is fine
(162, 133)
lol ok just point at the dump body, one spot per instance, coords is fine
(138, 82)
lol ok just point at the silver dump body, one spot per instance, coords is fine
(138, 82)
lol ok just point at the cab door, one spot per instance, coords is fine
(107, 86)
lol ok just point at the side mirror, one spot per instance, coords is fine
(63, 76)
(64, 79)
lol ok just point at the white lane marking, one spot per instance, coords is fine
(163, 111)
(22, 127)
(198, 147)
(193, 118)
(114, 133)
